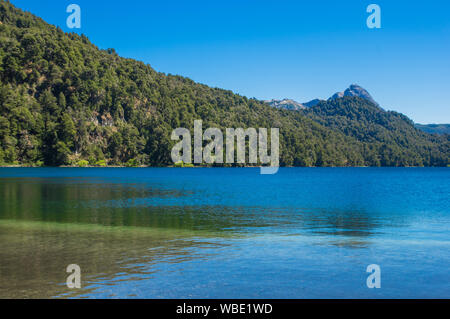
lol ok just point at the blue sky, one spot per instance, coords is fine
(282, 49)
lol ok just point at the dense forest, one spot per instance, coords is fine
(63, 101)
(389, 138)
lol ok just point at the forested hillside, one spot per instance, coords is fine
(63, 101)
(389, 138)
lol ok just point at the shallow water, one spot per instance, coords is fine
(225, 233)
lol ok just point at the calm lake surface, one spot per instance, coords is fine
(225, 233)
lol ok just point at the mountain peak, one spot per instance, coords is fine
(355, 90)
(286, 104)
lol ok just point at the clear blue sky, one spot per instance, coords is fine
(282, 49)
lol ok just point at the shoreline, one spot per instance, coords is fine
(118, 166)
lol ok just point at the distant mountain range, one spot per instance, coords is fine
(353, 91)
(440, 129)
(286, 104)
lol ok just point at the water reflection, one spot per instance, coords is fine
(126, 230)
(78, 201)
(117, 230)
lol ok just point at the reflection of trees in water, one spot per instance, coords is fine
(345, 223)
(348, 228)
(115, 205)
(122, 204)
(139, 205)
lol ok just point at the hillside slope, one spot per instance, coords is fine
(62, 100)
(388, 137)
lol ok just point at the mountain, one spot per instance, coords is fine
(63, 101)
(286, 104)
(355, 91)
(390, 135)
(439, 129)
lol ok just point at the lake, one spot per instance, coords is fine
(224, 232)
